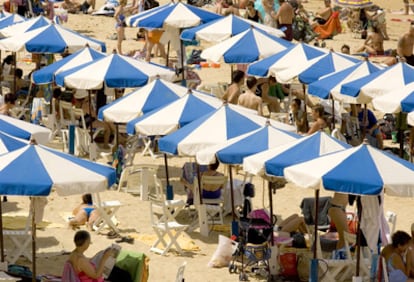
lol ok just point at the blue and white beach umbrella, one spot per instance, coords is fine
(141, 101)
(330, 63)
(303, 55)
(9, 143)
(117, 71)
(226, 122)
(223, 28)
(164, 120)
(11, 20)
(24, 130)
(273, 161)
(34, 170)
(177, 15)
(331, 84)
(398, 100)
(246, 47)
(47, 74)
(51, 38)
(362, 170)
(29, 25)
(234, 150)
(363, 90)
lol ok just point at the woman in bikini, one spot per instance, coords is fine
(253, 14)
(84, 213)
(120, 24)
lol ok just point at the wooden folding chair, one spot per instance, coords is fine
(107, 211)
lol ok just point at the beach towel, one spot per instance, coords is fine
(330, 28)
(69, 273)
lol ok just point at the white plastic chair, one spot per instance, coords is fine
(107, 211)
(138, 179)
(180, 273)
(163, 226)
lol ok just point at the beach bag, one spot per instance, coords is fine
(288, 265)
(223, 254)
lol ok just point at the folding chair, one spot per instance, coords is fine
(65, 109)
(21, 240)
(50, 120)
(391, 218)
(163, 226)
(107, 211)
(138, 179)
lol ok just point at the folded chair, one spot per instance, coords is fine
(107, 211)
(21, 240)
(163, 226)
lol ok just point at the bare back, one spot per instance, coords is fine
(232, 94)
(251, 101)
(285, 14)
(405, 44)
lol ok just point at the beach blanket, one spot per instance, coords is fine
(330, 28)
(18, 222)
(108, 9)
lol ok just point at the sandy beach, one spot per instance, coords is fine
(56, 239)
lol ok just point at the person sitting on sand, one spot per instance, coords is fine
(73, 7)
(249, 99)
(84, 213)
(323, 15)
(233, 91)
(405, 46)
(374, 44)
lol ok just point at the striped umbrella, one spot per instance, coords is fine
(354, 3)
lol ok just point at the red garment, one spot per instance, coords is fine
(330, 28)
(85, 278)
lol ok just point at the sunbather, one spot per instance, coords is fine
(374, 44)
(84, 213)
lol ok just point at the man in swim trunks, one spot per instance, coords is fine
(284, 18)
(374, 44)
(405, 46)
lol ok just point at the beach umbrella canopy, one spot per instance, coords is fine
(331, 84)
(273, 161)
(117, 71)
(302, 54)
(4, 14)
(398, 100)
(24, 130)
(9, 143)
(226, 122)
(354, 3)
(51, 38)
(11, 20)
(47, 74)
(223, 28)
(24, 26)
(141, 101)
(246, 47)
(34, 170)
(169, 118)
(376, 84)
(410, 118)
(330, 63)
(234, 150)
(361, 170)
(177, 15)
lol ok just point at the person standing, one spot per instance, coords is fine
(120, 24)
(369, 125)
(284, 18)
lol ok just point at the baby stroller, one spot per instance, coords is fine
(252, 248)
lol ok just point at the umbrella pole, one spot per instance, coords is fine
(168, 54)
(184, 83)
(269, 185)
(305, 102)
(33, 242)
(14, 73)
(314, 262)
(232, 193)
(117, 135)
(90, 115)
(199, 183)
(1, 233)
(333, 113)
(358, 259)
(169, 189)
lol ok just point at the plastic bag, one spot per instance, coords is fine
(223, 254)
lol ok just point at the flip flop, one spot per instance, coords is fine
(126, 239)
(113, 235)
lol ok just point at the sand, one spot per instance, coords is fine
(133, 217)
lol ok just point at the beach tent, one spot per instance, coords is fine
(24, 26)
(303, 54)
(47, 74)
(152, 96)
(246, 47)
(166, 119)
(34, 171)
(114, 70)
(226, 27)
(24, 130)
(332, 83)
(9, 143)
(51, 38)
(362, 90)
